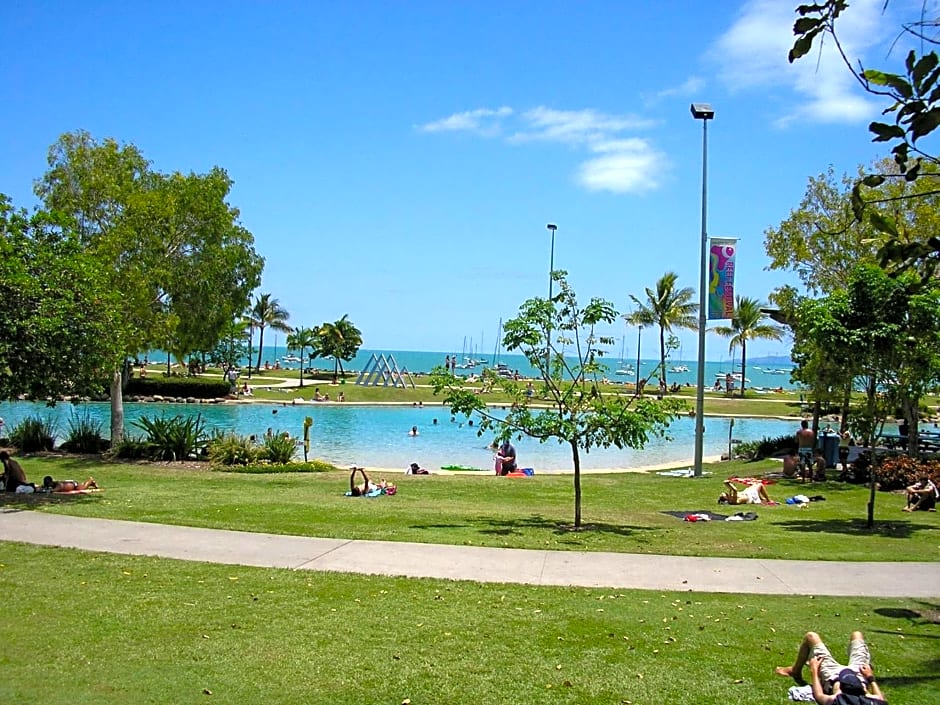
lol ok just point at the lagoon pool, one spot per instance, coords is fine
(377, 436)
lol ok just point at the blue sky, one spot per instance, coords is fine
(398, 161)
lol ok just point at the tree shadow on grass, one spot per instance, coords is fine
(509, 527)
(12, 502)
(856, 527)
(927, 613)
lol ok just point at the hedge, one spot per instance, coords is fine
(196, 387)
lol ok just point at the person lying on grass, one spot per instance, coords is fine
(754, 493)
(833, 683)
(367, 486)
(51, 485)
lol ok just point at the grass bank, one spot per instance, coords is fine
(94, 628)
(621, 512)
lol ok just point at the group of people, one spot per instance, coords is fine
(13, 479)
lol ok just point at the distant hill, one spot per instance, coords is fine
(770, 360)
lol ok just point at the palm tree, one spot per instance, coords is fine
(341, 341)
(747, 324)
(301, 339)
(267, 313)
(668, 308)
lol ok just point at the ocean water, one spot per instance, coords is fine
(761, 377)
(377, 436)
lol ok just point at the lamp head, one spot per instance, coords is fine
(702, 111)
(552, 227)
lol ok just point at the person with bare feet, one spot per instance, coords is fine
(367, 487)
(754, 493)
(805, 441)
(13, 475)
(51, 485)
(922, 496)
(833, 683)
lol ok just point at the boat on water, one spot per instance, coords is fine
(736, 376)
(628, 370)
(291, 358)
(679, 368)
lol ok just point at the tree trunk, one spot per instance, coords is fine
(871, 485)
(846, 400)
(662, 354)
(302, 384)
(576, 457)
(260, 348)
(743, 365)
(117, 408)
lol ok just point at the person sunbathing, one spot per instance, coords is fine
(51, 485)
(754, 493)
(367, 486)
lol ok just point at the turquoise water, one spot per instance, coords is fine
(377, 436)
(764, 377)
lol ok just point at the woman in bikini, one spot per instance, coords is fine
(51, 485)
(755, 493)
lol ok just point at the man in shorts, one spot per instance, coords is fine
(805, 442)
(833, 683)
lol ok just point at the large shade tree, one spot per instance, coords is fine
(61, 323)
(169, 244)
(909, 88)
(667, 307)
(748, 322)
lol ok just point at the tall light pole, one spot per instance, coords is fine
(551, 268)
(703, 112)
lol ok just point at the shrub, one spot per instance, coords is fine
(175, 438)
(278, 449)
(84, 434)
(898, 472)
(132, 448)
(266, 468)
(196, 387)
(33, 434)
(233, 449)
(764, 448)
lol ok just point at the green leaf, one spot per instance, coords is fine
(884, 132)
(806, 24)
(801, 46)
(926, 64)
(891, 80)
(924, 123)
(883, 223)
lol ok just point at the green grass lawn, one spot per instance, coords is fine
(83, 629)
(621, 512)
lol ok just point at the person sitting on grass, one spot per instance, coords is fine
(13, 475)
(51, 485)
(791, 463)
(922, 496)
(754, 493)
(415, 469)
(833, 683)
(367, 486)
(819, 466)
(506, 458)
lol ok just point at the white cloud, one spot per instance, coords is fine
(753, 54)
(574, 126)
(485, 121)
(620, 164)
(624, 166)
(691, 86)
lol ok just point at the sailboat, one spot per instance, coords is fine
(625, 368)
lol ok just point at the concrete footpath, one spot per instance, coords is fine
(497, 565)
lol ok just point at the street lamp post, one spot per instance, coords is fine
(551, 268)
(703, 112)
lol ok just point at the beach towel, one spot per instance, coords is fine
(699, 512)
(688, 472)
(801, 693)
(752, 480)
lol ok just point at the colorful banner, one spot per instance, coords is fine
(721, 277)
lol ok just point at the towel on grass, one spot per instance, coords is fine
(698, 512)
